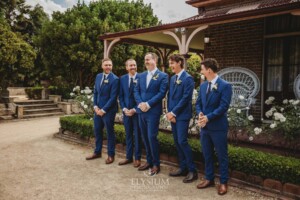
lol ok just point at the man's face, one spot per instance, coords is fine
(131, 67)
(205, 71)
(175, 66)
(107, 66)
(150, 62)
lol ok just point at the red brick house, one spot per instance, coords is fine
(262, 36)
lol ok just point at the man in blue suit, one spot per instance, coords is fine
(212, 104)
(129, 107)
(105, 105)
(149, 92)
(179, 113)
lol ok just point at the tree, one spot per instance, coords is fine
(16, 56)
(69, 43)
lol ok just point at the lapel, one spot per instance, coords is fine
(213, 92)
(126, 84)
(180, 78)
(203, 92)
(99, 83)
(151, 81)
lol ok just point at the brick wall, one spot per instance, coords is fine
(238, 44)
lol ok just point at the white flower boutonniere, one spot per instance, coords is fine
(155, 77)
(135, 81)
(178, 82)
(105, 81)
(215, 86)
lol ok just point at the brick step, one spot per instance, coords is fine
(30, 102)
(43, 115)
(41, 110)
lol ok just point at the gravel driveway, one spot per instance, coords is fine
(35, 165)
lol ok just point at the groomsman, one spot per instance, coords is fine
(212, 104)
(105, 105)
(149, 92)
(179, 114)
(129, 107)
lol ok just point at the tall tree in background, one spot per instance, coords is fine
(70, 46)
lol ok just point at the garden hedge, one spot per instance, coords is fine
(249, 161)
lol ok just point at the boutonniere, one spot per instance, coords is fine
(215, 86)
(105, 81)
(178, 82)
(135, 81)
(155, 77)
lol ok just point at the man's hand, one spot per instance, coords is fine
(143, 106)
(130, 112)
(171, 117)
(101, 113)
(202, 120)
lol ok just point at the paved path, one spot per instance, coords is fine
(35, 165)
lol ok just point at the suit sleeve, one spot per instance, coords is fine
(113, 95)
(121, 96)
(161, 93)
(199, 106)
(226, 94)
(187, 96)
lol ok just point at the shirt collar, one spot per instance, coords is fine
(214, 80)
(132, 76)
(153, 71)
(180, 73)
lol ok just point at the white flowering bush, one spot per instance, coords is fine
(85, 99)
(284, 118)
(239, 120)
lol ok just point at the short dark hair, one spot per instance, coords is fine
(105, 59)
(153, 55)
(210, 63)
(130, 59)
(177, 58)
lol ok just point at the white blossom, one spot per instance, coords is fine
(241, 97)
(296, 102)
(269, 113)
(82, 103)
(281, 109)
(285, 101)
(270, 100)
(279, 117)
(291, 101)
(257, 130)
(72, 94)
(85, 106)
(202, 77)
(87, 91)
(250, 117)
(273, 125)
(238, 111)
(250, 138)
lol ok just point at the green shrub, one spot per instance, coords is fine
(34, 92)
(249, 161)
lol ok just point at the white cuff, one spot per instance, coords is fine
(103, 111)
(95, 107)
(173, 114)
(148, 105)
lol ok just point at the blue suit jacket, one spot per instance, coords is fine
(180, 96)
(126, 96)
(105, 97)
(154, 94)
(216, 106)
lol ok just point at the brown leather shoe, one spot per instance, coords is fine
(94, 156)
(205, 183)
(137, 163)
(109, 160)
(154, 170)
(144, 167)
(125, 162)
(222, 189)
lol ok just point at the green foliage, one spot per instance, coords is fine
(266, 165)
(70, 45)
(34, 92)
(16, 57)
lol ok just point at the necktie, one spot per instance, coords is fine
(104, 78)
(131, 85)
(208, 89)
(176, 77)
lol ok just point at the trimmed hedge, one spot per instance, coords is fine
(249, 161)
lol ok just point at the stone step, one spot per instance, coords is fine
(41, 110)
(19, 97)
(43, 115)
(39, 106)
(28, 102)
(6, 117)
